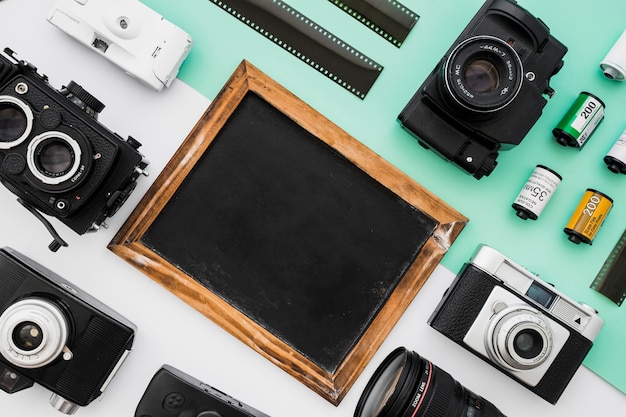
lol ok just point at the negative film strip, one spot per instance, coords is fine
(306, 40)
(388, 18)
(611, 279)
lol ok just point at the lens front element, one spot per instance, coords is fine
(54, 158)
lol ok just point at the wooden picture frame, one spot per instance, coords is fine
(423, 225)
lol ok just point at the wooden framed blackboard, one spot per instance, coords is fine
(289, 233)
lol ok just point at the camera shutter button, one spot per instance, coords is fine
(173, 401)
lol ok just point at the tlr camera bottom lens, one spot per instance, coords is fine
(406, 385)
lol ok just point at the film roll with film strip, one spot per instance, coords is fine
(388, 18)
(308, 41)
(611, 279)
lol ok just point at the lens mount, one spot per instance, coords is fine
(16, 122)
(33, 333)
(54, 157)
(483, 74)
(519, 338)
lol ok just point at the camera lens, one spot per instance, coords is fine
(407, 385)
(27, 336)
(36, 332)
(528, 343)
(55, 158)
(519, 338)
(15, 122)
(482, 74)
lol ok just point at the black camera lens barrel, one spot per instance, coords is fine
(406, 385)
(483, 74)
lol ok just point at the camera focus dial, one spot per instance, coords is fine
(483, 74)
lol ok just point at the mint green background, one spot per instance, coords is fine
(588, 29)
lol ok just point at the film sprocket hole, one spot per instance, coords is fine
(173, 393)
(56, 335)
(487, 91)
(55, 155)
(521, 325)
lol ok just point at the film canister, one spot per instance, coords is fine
(616, 158)
(536, 193)
(613, 66)
(580, 121)
(588, 217)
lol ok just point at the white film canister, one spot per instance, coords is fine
(614, 64)
(616, 158)
(536, 193)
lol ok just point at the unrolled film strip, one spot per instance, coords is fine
(388, 18)
(306, 40)
(611, 279)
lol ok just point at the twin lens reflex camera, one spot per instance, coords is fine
(487, 91)
(54, 154)
(56, 335)
(516, 322)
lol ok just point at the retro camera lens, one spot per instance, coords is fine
(34, 332)
(407, 385)
(483, 74)
(16, 121)
(520, 338)
(54, 157)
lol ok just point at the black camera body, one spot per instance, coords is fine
(521, 325)
(487, 91)
(55, 155)
(173, 393)
(56, 335)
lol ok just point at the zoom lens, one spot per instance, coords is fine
(483, 74)
(16, 121)
(406, 385)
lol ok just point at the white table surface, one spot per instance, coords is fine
(169, 331)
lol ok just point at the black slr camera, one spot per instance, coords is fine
(55, 155)
(519, 324)
(486, 93)
(173, 393)
(55, 334)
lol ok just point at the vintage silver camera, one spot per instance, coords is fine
(521, 325)
(127, 33)
(56, 335)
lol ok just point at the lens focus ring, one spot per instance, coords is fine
(483, 74)
(36, 349)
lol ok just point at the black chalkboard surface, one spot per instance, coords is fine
(290, 233)
(271, 220)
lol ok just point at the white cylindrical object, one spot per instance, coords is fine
(536, 193)
(615, 159)
(614, 64)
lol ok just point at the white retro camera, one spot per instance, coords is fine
(129, 34)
